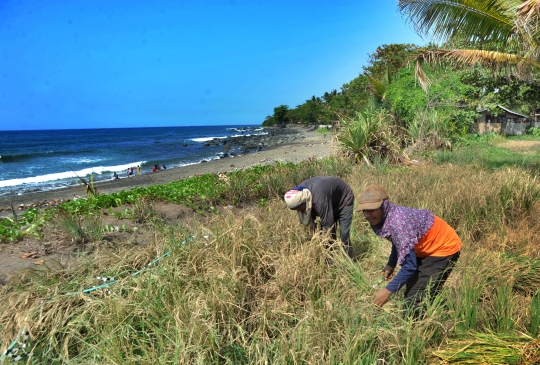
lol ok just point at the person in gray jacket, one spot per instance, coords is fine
(329, 198)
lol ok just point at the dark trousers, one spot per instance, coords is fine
(344, 218)
(427, 282)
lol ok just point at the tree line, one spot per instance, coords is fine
(390, 80)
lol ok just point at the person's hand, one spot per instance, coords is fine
(381, 297)
(388, 272)
(312, 226)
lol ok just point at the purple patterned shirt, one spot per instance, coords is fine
(403, 227)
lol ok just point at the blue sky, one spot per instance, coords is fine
(100, 64)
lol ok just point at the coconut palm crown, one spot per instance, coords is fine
(503, 35)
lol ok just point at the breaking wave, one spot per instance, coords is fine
(67, 174)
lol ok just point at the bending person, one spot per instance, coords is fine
(423, 244)
(329, 198)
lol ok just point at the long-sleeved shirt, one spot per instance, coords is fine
(407, 270)
(330, 195)
(441, 240)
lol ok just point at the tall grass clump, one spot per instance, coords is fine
(368, 134)
(428, 130)
(464, 301)
(80, 229)
(534, 315)
(502, 305)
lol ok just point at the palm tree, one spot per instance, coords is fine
(503, 35)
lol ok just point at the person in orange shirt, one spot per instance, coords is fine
(425, 246)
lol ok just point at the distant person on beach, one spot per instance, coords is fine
(329, 198)
(155, 168)
(138, 169)
(115, 176)
(425, 246)
(164, 167)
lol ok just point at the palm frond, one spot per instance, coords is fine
(471, 20)
(497, 62)
(421, 76)
(528, 22)
(378, 87)
(529, 10)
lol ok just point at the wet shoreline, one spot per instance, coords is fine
(308, 144)
(249, 141)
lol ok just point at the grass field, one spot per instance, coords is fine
(250, 286)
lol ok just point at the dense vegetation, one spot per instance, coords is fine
(456, 92)
(254, 288)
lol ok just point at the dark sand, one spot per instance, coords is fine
(313, 144)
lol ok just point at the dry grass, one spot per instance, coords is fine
(256, 289)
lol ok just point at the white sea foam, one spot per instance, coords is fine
(249, 135)
(242, 130)
(67, 174)
(204, 139)
(85, 160)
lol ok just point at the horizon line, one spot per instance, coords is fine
(100, 128)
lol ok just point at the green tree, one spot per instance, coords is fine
(311, 112)
(511, 92)
(388, 59)
(448, 95)
(280, 116)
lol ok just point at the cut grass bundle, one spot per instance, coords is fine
(490, 348)
(527, 277)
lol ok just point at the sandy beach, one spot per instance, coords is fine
(313, 144)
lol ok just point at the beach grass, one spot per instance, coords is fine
(252, 287)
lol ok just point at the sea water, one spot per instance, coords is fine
(41, 160)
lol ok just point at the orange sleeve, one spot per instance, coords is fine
(440, 240)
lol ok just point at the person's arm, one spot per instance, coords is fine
(312, 226)
(388, 271)
(407, 270)
(392, 259)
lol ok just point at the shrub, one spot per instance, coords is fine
(368, 134)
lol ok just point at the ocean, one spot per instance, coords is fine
(32, 161)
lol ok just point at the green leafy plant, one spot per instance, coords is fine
(370, 133)
(123, 228)
(535, 132)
